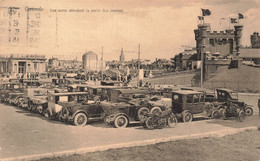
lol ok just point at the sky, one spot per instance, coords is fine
(161, 27)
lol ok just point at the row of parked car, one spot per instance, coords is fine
(122, 105)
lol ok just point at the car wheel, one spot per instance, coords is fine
(172, 121)
(223, 113)
(142, 112)
(40, 109)
(150, 123)
(80, 119)
(121, 121)
(249, 111)
(155, 110)
(241, 116)
(187, 117)
(47, 114)
(29, 107)
(214, 114)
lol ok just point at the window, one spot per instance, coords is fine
(176, 97)
(189, 98)
(201, 98)
(196, 98)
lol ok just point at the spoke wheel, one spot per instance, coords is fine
(241, 116)
(29, 107)
(121, 122)
(187, 117)
(214, 114)
(40, 109)
(249, 111)
(142, 112)
(150, 123)
(155, 110)
(172, 121)
(223, 113)
(80, 119)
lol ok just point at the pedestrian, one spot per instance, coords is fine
(259, 106)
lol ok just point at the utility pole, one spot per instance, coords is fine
(202, 64)
(138, 83)
(102, 65)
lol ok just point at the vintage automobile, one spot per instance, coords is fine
(127, 106)
(209, 94)
(54, 98)
(167, 91)
(11, 88)
(229, 105)
(35, 99)
(79, 113)
(187, 104)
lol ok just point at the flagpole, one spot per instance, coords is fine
(238, 18)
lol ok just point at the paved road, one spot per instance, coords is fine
(23, 133)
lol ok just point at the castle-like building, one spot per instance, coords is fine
(255, 40)
(223, 43)
(219, 48)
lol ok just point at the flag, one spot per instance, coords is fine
(233, 20)
(240, 16)
(201, 18)
(206, 12)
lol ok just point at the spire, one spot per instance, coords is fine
(122, 56)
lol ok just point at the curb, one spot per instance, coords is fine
(217, 134)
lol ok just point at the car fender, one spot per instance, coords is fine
(183, 112)
(78, 111)
(119, 114)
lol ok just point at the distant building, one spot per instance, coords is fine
(22, 64)
(90, 61)
(255, 40)
(185, 59)
(225, 42)
(219, 48)
(122, 56)
(250, 56)
(55, 63)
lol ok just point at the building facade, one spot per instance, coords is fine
(22, 64)
(255, 40)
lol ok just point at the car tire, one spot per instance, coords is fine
(172, 121)
(40, 109)
(155, 110)
(121, 121)
(47, 114)
(142, 112)
(241, 115)
(150, 123)
(29, 107)
(187, 117)
(80, 119)
(249, 111)
(106, 120)
(215, 114)
(223, 113)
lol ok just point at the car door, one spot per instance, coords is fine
(197, 104)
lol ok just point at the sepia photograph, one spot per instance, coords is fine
(129, 80)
